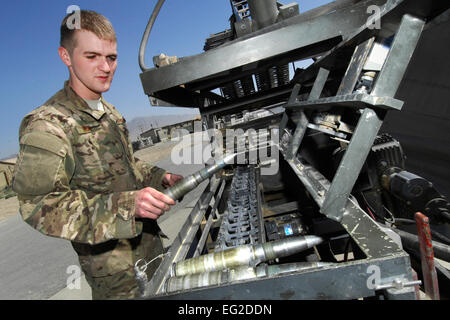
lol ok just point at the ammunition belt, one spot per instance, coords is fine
(240, 224)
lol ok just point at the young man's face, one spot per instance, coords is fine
(92, 64)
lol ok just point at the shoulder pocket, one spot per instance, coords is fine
(44, 141)
(40, 158)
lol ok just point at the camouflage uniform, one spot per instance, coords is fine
(76, 179)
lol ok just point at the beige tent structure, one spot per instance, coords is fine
(6, 173)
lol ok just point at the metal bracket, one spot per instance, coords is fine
(370, 121)
(398, 284)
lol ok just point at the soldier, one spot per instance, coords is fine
(76, 177)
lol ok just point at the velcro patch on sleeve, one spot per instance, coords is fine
(46, 141)
(39, 163)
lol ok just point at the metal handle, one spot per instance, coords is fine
(398, 284)
(147, 34)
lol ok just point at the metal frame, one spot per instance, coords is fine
(183, 243)
(406, 39)
(347, 280)
(335, 21)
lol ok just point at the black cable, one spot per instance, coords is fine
(445, 215)
(371, 210)
(442, 272)
(410, 240)
(405, 220)
(434, 233)
(440, 236)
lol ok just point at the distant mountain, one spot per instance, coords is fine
(141, 124)
(12, 156)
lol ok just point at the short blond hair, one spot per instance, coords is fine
(90, 21)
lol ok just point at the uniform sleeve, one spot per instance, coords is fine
(43, 171)
(152, 175)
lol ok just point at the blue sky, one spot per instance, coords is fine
(31, 72)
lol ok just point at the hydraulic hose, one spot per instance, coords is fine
(441, 251)
(442, 238)
(148, 29)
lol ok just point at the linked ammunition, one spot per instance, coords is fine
(190, 182)
(247, 255)
(199, 280)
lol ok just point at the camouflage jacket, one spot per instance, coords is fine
(76, 179)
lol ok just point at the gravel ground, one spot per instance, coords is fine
(8, 208)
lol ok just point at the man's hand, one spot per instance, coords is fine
(170, 179)
(151, 204)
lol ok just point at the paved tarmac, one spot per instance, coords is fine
(170, 226)
(33, 266)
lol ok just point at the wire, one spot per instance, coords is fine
(144, 267)
(368, 207)
(370, 212)
(394, 219)
(147, 34)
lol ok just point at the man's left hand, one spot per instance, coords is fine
(170, 179)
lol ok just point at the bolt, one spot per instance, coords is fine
(398, 284)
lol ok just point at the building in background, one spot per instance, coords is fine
(156, 135)
(6, 173)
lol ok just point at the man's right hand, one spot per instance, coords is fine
(151, 204)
